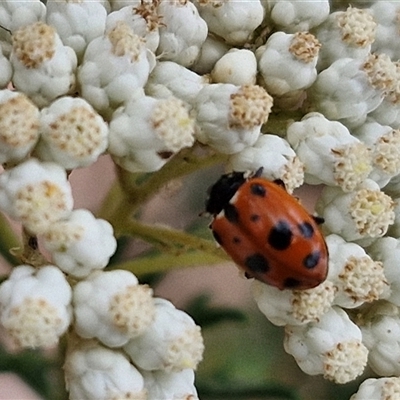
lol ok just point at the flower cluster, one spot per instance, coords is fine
(166, 87)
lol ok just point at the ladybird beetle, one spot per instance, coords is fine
(267, 232)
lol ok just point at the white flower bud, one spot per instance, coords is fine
(170, 385)
(80, 243)
(384, 143)
(171, 79)
(182, 32)
(381, 335)
(147, 132)
(5, 69)
(238, 67)
(36, 194)
(387, 250)
(293, 307)
(94, 372)
(112, 307)
(363, 214)
(357, 278)
(346, 34)
(388, 112)
(330, 154)
(278, 159)
(284, 53)
(17, 14)
(233, 20)
(331, 347)
(382, 388)
(143, 19)
(298, 16)
(72, 133)
(44, 68)
(35, 305)
(351, 88)
(114, 66)
(386, 41)
(19, 126)
(211, 51)
(229, 118)
(172, 342)
(77, 23)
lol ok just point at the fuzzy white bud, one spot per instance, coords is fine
(112, 307)
(80, 243)
(331, 347)
(36, 194)
(172, 342)
(35, 305)
(44, 68)
(95, 372)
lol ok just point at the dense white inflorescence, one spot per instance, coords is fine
(301, 91)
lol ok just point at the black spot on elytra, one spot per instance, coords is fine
(306, 230)
(258, 190)
(231, 213)
(217, 238)
(280, 236)
(254, 217)
(236, 240)
(291, 283)
(257, 263)
(312, 260)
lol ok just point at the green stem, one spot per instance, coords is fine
(136, 194)
(8, 240)
(165, 262)
(110, 203)
(171, 240)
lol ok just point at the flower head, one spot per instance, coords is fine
(332, 347)
(356, 276)
(114, 66)
(284, 53)
(380, 326)
(72, 133)
(278, 159)
(363, 214)
(78, 22)
(93, 371)
(381, 388)
(172, 342)
(112, 307)
(293, 307)
(36, 194)
(182, 32)
(19, 126)
(35, 305)
(148, 131)
(330, 154)
(229, 118)
(44, 68)
(80, 243)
